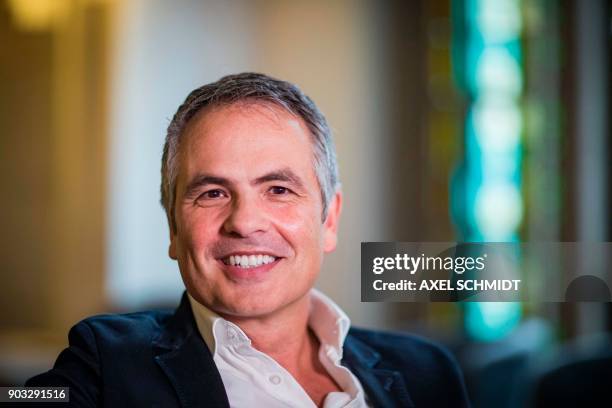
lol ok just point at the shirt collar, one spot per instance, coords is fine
(329, 323)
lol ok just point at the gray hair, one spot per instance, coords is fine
(251, 87)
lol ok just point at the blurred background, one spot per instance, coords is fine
(466, 120)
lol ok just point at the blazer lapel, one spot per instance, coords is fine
(384, 388)
(187, 362)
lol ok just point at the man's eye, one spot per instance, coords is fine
(212, 194)
(278, 190)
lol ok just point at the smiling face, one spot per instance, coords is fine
(249, 238)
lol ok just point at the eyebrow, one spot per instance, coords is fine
(286, 175)
(202, 180)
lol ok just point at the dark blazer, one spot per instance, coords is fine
(158, 359)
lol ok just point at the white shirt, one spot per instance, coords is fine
(252, 378)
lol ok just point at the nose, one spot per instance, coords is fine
(245, 218)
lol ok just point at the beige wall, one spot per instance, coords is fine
(53, 136)
(54, 141)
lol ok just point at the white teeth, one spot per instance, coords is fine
(249, 261)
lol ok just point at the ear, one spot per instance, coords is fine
(172, 247)
(330, 225)
(173, 241)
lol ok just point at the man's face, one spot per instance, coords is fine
(249, 237)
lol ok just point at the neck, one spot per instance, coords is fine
(283, 335)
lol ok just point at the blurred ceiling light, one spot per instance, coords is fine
(498, 20)
(38, 15)
(493, 77)
(499, 210)
(498, 166)
(498, 71)
(498, 126)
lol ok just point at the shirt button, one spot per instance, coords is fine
(275, 379)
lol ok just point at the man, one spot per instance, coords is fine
(250, 189)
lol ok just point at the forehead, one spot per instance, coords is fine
(245, 138)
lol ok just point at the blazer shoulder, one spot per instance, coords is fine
(404, 347)
(120, 328)
(101, 349)
(425, 365)
(403, 343)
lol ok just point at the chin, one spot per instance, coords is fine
(246, 310)
(254, 306)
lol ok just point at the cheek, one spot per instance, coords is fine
(198, 230)
(300, 225)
